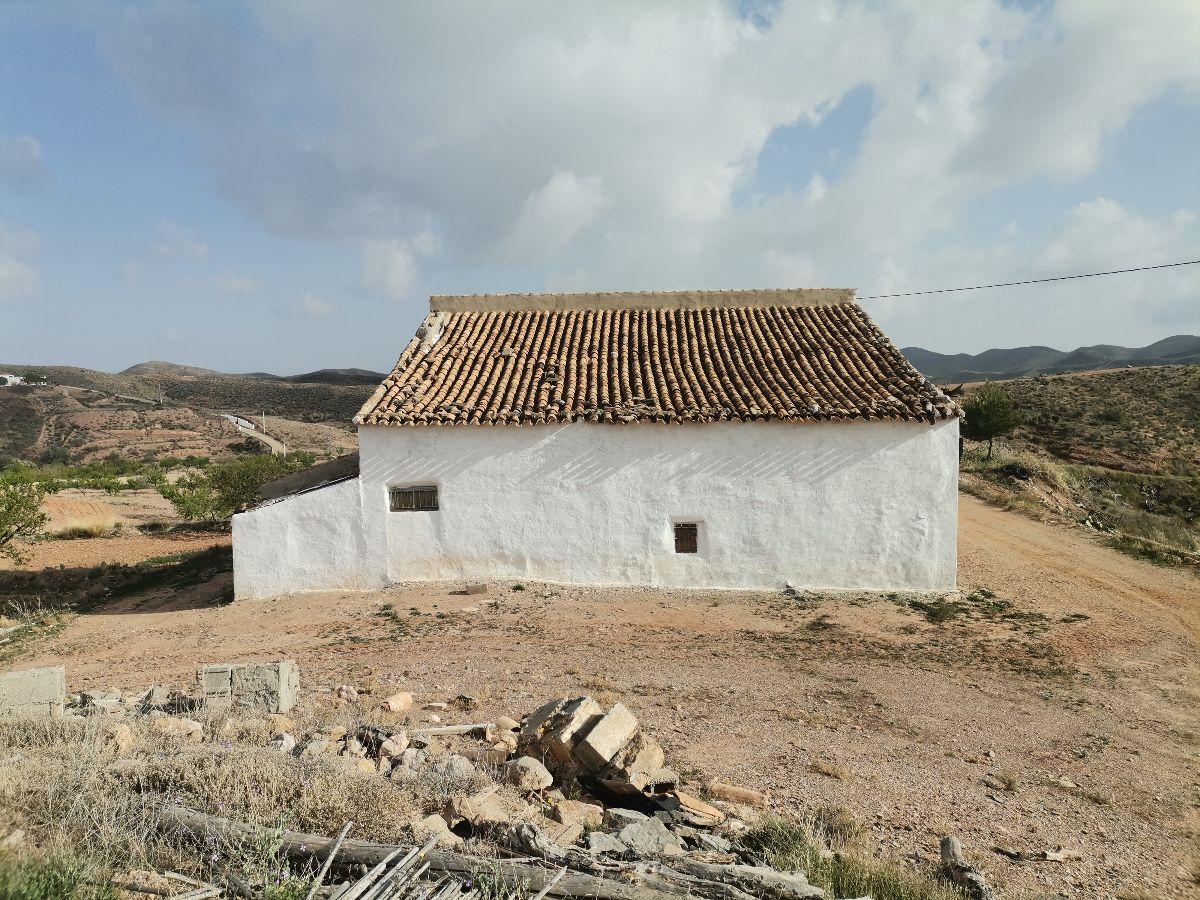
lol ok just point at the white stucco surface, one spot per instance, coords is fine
(867, 505)
(310, 541)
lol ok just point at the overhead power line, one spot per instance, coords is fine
(981, 287)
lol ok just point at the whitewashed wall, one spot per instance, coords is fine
(306, 542)
(863, 505)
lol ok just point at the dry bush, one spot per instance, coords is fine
(83, 528)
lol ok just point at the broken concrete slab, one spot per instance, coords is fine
(606, 737)
(34, 692)
(637, 763)
(650, 838)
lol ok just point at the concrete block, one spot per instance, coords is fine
(272, 686)
(216, 684)
(34, 692)
(606, 738)
(268, 686)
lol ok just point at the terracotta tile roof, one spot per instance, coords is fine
(795, 356)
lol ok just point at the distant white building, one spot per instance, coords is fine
(734, 439)
(7, 379)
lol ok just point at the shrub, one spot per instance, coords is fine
(221, 489)
(20, 516)
(844, 873)
(51, 878)
(989, 414)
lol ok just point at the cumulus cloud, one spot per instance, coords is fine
(618, 145)
(18, 275)
(1095, 233)
(175, 240)
(553, 216)
(390, 267)
(21, 163)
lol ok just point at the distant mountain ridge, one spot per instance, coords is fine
(1018, 362)
(320, 376)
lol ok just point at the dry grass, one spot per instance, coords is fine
(85, 527)
(828, 847)
(59, 784)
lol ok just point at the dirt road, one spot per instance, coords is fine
(1065, 671)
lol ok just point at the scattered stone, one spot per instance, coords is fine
(436, 707)
(1060, 854)
(466, 702)
(117, 739)
(574, 812)
(347, 692)
(733, 794)
(617, 818)
(435, 719)
(527, 774)
(284, 742)
(528, 838)
(412, 758)
(395, 745)
(314, 745)
(601, 842)
(337, 732)
(281, 723)
(187, 730)
(697, 811)
(480, 810)
(434, 826)
(155, 697)
(552, 732)
(454, 767)
(34, 692)
(650, 838)
(477, 588)
(504, 723)
(399, 702)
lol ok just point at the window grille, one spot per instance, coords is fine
(687, 536)
(413, 499)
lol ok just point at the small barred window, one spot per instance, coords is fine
(413, 499)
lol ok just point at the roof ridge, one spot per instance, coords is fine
(714, 299)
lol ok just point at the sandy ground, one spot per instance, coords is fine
(1087, 674)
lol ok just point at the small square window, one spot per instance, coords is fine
(413, 499)
(687, 537)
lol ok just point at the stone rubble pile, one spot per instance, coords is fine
(572, 783)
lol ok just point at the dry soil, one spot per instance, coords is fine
(1051, 704)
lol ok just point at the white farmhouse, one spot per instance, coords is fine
(732, 439)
